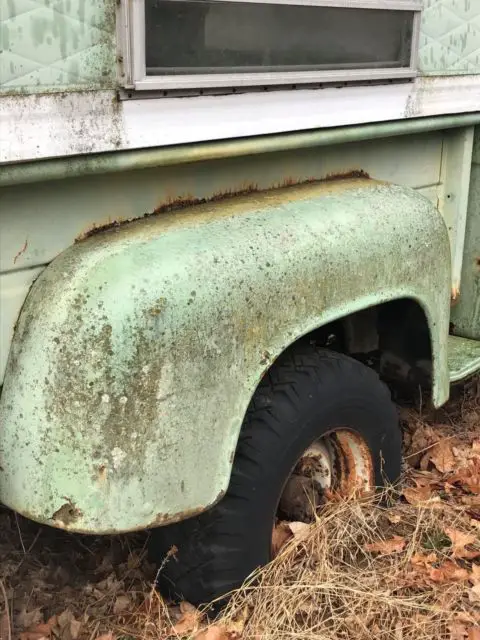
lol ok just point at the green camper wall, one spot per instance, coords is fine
(466, 314)
(59, 45)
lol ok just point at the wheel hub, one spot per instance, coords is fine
(339, 462)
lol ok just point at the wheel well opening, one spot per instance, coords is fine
(393, 338)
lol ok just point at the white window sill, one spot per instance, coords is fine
(56, 125)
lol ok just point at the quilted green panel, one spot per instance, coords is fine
(450, 37)
(56, 44)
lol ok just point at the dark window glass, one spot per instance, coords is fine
(205, 36)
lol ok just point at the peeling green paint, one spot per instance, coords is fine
(81, 204)
(123, 399)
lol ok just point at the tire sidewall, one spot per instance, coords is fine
(355, 409)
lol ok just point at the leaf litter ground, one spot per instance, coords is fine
(407, 567)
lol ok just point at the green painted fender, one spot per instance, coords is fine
(138, 350)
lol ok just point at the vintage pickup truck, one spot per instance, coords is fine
(225, 227)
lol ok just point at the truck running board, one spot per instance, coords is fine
(463, 357)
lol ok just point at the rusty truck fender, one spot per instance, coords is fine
(138, 350)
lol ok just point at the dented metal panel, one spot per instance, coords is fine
(138, 349)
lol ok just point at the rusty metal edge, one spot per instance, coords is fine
(118, 161)
(177, 204)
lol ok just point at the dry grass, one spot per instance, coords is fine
(329, 586)
(404, 569)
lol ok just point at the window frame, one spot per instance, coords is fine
(131, 32)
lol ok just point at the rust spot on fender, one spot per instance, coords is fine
(349, 175)
(102, 474)
(454, 296)
(68, 514)
(169, 518)
(162, 519)
(189, 201)
(101, 226)
(185, 201)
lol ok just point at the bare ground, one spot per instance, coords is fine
(405, 568)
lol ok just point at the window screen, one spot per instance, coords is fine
(209, 37)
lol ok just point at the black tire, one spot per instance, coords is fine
(307, 393)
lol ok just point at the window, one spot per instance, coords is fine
(201, 44)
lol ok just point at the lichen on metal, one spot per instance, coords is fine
(138, 350)
(28, 216)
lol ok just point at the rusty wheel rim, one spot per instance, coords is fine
(340, 464)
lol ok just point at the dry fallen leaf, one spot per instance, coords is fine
(110, 584)
(28, 619)
(213, 633)
(474, 593)
(468, 476)
(281, 535)
(394, 518)
(458, 631)
(476, 443)
(442, 456)
(5, 631)
(448, 571)
(475, 575)
(106, 636)
(418, 452)
(189, 620)
(459, 541)
(65, 625)
(474, 633)
(423, 559)
(236, 626)
(418, 496)
(285, 531)
(387, 547)
(300, 530)
(122, 603)
(42, 630)
(46, 627)
(75, 626)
